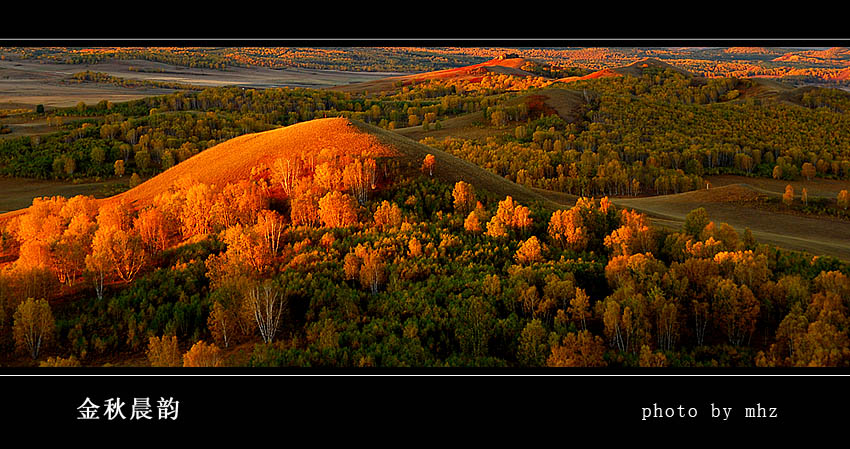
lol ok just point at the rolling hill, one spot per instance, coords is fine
(233, 160)
(633, 69)
(502, 65)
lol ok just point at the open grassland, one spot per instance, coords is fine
(817, 187)
(18, 193)
(816, 235)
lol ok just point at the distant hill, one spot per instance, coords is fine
(507, 65)
(633, 69)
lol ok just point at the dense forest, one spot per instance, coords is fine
(418, 273)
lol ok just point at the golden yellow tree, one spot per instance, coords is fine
(373, 271)
(566, 228)
(530, 252)
(788, 196)
(387, 216)
(337, 210)
(581, 349)
(163, 352)
(843, 199)
(428, 164)
(203, 355)
(34, 326)
(464, 197)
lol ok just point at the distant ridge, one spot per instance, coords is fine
(633, 69)
(506, 64)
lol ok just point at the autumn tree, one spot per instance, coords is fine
(566, 228)
(579, 308)
(154, 228)
(203, 355)
(119, 251)
(360, 177)
(238, 203)
(195, 214)
(34, 326)
(270, 226)
(464, 197)
(428, 164)
(843, 199)
(337, 210)
(304, 208)
(284, 172)
(387, 216)
(163, 352)
(634, 235)
(328, 177)
(581, 349)
(265, 303)
(530, 251)
(222, 323)
(736, 310)
(808, 170)
(373, 272)
(788, 196)
(247, 246)
(650, 359)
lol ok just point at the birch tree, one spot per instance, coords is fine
(265, 303)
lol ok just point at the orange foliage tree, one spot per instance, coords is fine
(633, 236)
(387, 216)
(116, 250)
(581, 349)
(464, 197)
(360, 177)
(530, 251)
(566, 228)
(337, 210)
(428, 164)
(203, 355)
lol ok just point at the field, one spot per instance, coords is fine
(816, 235)
(26, 83)
(17, 193)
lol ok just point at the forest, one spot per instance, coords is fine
(348, 259)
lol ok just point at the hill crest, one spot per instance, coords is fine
(506, 64)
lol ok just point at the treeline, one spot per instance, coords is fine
(100, 77)
(153, 134)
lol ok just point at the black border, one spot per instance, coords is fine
(455, 406)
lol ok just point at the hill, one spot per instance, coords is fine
(508, 65)
(234, 159)
(633, 69)
(567, 104)
(726, 204)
